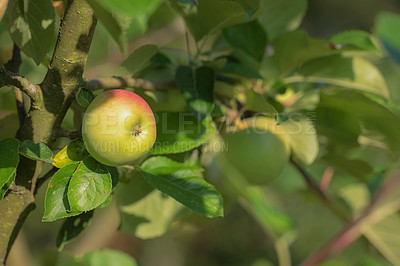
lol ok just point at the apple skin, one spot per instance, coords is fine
(257, 149)
(118, 128)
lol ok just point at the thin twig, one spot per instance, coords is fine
(353, 230)
(126, 82)
(8, 78)
(315, 188)
(326, 178)
(68, 134)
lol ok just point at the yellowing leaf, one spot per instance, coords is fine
(72, 153)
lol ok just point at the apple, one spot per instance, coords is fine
(258, 149)
(118, 128)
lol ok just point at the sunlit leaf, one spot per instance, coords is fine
(31, 26)
(151, 216)
(357, 39)
(180, 132)
(183, 185)
(257, 103)
(36, 151)
(355, 73)
(90, 185)
(56, 202)
(372, 115)
(3, 7)
(73, 153)
(106, 257)
(302, 137)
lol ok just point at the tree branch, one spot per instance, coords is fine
(126, 82)
(352, 231)
(52, 100)
(8, 78)
(68, 134)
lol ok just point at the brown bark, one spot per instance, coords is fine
(49, 104)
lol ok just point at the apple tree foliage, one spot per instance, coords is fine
(241, 58)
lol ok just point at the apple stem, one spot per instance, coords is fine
(136, 130)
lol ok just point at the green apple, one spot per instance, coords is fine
(257, 149)
(118, 128)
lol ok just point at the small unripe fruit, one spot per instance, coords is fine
(257, 150)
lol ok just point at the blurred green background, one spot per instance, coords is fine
(235, 240)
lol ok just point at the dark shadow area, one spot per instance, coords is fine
(85, 40)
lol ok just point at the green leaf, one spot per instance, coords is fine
(151, 216)
(56, 204)
(115, 24)
(73, 153)
(84, 97)
(237, 70)
(72, 227)
(282, 15)
(131, 8)
(302, 137)
(381, 225)
(31, 26)
(133, 188)
(351, 39)
(385, 236)
(257, 103)
(355, 73)
(293, 49)
(183, 185)
(372, 115)
(107, 257)
(340, 127)
(180, 132)
(276, 224)
(354, 167)
(386, 28)
(90, 185)
(65, 259)
(9, 159)
(140, 58)
(36, 151)
(213, 16)
(6, 186)
(249, 37)
(197, 88)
